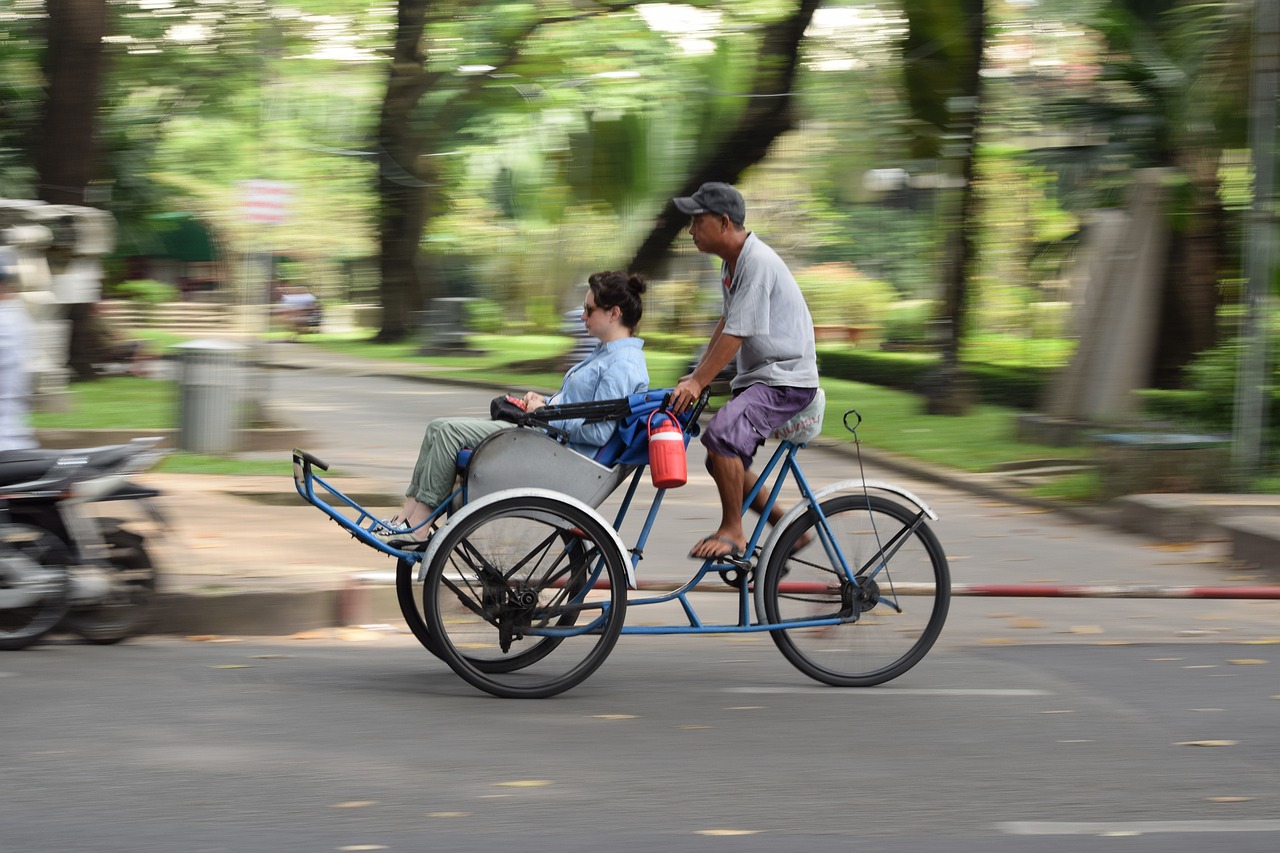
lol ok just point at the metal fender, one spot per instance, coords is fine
(475, 506)
(803, 506)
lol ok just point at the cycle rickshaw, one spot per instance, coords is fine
(523, 586)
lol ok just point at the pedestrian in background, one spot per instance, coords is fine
(15, 347)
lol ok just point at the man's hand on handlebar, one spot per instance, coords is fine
(685, 394)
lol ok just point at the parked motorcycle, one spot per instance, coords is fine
(61, 562)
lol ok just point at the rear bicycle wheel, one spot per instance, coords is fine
(407, 598)
(35, 586)
(415, 617)
(526, 597)
(901, 599)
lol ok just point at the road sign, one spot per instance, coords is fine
(266, 202)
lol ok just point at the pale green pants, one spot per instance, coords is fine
(437, 465)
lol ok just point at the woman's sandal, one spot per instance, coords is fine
(388, 525)
(405, 539)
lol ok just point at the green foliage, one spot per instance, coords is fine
(535, 269)
(1017, 350)
(1213, 374)
(1050, 320)
(894, 420)
(907, 321)
(1179, 407)
(673, 307)
(484, 315)
(1082, 487)
(1207, 404)
(145, 290)
(942, 50)
(902, 370)
(838, 294)
(1208, 401)
(1020, 387)
(680, 343)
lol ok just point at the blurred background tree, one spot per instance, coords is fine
(942, 58)
(503, 149)
(66, 148)
(1171, 93)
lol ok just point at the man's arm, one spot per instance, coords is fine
(711, 343)
(721, 349)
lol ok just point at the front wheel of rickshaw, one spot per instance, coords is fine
(526, 597)
(887, 621)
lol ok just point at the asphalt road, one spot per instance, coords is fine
(693, 744)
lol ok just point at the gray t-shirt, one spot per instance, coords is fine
(763, 306)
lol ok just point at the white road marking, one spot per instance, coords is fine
(895, 691)
(1135, 827)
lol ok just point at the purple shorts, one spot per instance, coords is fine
(743, 423)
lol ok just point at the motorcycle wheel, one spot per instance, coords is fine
(34, 584)
(127, 611)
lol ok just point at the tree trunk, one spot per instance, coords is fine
(1188, 309)
(950, 390)
(768, 116)
(943, 61)
(403, 194)
(67, 156)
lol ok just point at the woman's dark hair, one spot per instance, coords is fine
(621, 289)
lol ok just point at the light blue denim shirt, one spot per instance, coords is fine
(612, 370)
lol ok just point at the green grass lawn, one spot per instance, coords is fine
(895, 421)
(116, 402)
(180, 462)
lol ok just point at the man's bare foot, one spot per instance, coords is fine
(716, 546)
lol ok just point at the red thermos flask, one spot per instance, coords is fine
(667, 466)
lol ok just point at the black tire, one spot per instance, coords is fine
(523, 565)
(129, 608)
(417, 622)
(35, 587)
(408, 600)
(902, 605)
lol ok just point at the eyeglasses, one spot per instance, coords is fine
(589, 309)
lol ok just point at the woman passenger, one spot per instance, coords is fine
(615, 368)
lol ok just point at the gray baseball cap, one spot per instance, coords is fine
(714, 197)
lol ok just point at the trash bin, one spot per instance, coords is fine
(443, 326)
(209, 401)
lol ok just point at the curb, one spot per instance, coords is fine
(274, 613)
